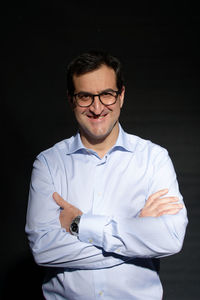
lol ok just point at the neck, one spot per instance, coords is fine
(101, 145)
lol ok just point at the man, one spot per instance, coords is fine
(104, 205)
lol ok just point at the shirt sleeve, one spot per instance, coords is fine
(141, 236)
(51, 245)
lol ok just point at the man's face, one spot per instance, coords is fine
(97, 121)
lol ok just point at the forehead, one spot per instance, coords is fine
(96, 81)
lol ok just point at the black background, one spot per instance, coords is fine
(158, 46)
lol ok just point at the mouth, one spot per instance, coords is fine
(94, 117)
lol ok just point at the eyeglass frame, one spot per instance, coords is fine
(98, 95)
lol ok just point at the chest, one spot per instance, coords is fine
(117, 185)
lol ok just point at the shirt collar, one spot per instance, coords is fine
(122, 143)
(75, 144)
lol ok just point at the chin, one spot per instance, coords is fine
(98, 137)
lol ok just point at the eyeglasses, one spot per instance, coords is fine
(107, 98)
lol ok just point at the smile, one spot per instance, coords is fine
(96, 117)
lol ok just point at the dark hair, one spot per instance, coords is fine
(91, 61)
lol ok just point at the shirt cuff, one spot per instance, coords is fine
(91, 229)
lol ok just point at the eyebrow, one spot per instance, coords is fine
(103, 91)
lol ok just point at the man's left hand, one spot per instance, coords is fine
(68, 212)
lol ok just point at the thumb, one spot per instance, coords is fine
(59, 200)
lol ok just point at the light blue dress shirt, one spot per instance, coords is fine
(117, 252)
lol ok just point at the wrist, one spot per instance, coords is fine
(74, 226)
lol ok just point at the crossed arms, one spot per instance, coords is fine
(104, 241)
(155, 206)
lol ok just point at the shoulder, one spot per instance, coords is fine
(145, 147)
(57, 151)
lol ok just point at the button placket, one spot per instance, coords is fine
(98, 186)
(100, 283)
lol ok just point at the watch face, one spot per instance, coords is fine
(74, 227)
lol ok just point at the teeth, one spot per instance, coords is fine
(95, 117)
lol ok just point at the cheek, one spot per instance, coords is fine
(118, 108)
(78, 111)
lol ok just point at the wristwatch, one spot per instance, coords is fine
(74, 227)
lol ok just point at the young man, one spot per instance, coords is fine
(104, 205)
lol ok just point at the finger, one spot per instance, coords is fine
(172, 211)
(157, 195)
(168, 207)
(59, 200)
(165, 200)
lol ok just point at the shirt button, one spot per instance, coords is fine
(90, 241)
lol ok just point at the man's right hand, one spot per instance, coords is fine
(68, 212)
(156, 206)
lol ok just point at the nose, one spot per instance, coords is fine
(96, 107)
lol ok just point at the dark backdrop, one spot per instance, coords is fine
(158, 45)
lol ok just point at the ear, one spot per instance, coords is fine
(121, 99)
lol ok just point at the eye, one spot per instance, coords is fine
(108, 94)
(84, 96)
